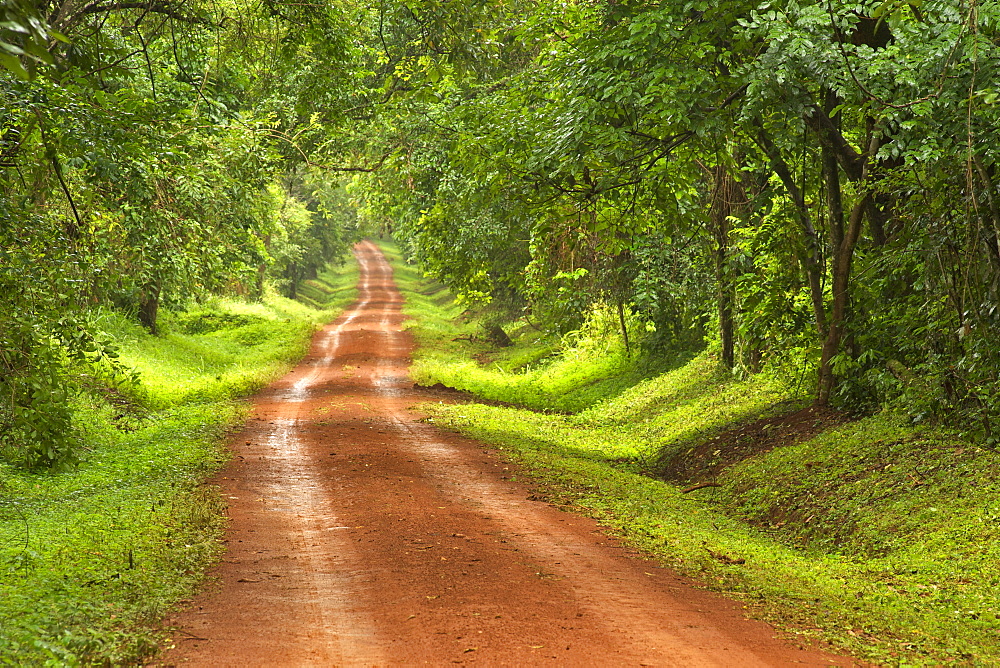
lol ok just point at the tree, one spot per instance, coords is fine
(138, 144)
(797, 147)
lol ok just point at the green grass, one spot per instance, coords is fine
(878, 536)
(634, 426)
(228, 347)
(543, 372)
(332, 289)
(91, 558)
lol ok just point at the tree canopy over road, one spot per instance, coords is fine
(805, 184)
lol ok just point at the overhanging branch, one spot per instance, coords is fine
(164, 9)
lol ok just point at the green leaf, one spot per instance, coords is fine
(14, 66)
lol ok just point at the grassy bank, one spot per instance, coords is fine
(92, 557)
(875, 534)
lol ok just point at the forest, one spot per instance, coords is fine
(793, 190)
(807, 185)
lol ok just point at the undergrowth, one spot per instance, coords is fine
(876, 535)
(92, 556)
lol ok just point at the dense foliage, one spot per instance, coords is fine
(807, 183)
(152, 154)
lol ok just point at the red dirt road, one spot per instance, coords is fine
(361, 536)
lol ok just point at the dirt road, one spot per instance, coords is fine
(361, 536)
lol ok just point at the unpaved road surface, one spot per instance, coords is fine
(361, 536)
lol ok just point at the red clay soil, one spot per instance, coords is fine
(361, 536)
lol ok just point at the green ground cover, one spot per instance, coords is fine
(92, 556)
(876, 535)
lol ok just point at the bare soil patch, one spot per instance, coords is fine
(702, 463)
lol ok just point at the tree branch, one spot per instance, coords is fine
(153, 7)
(850, 160)
(736, 94)
(813, 243)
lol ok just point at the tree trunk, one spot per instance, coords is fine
(149, 306)
(831, 175)
(841, 269)
(624, 327)
(498, 337)
(879, 213)
(993, 210)
(293, 281)
(258, 286)
(722, 205)
(834, 198)
(843, 258)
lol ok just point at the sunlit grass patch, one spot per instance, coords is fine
(639, 421)
(333, 289)
(223, 348)
(177, 367)
(540, 372)
(688, 401)
(544, 431)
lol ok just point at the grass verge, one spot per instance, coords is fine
(875, 535)
(92, 558)
(543, 372)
